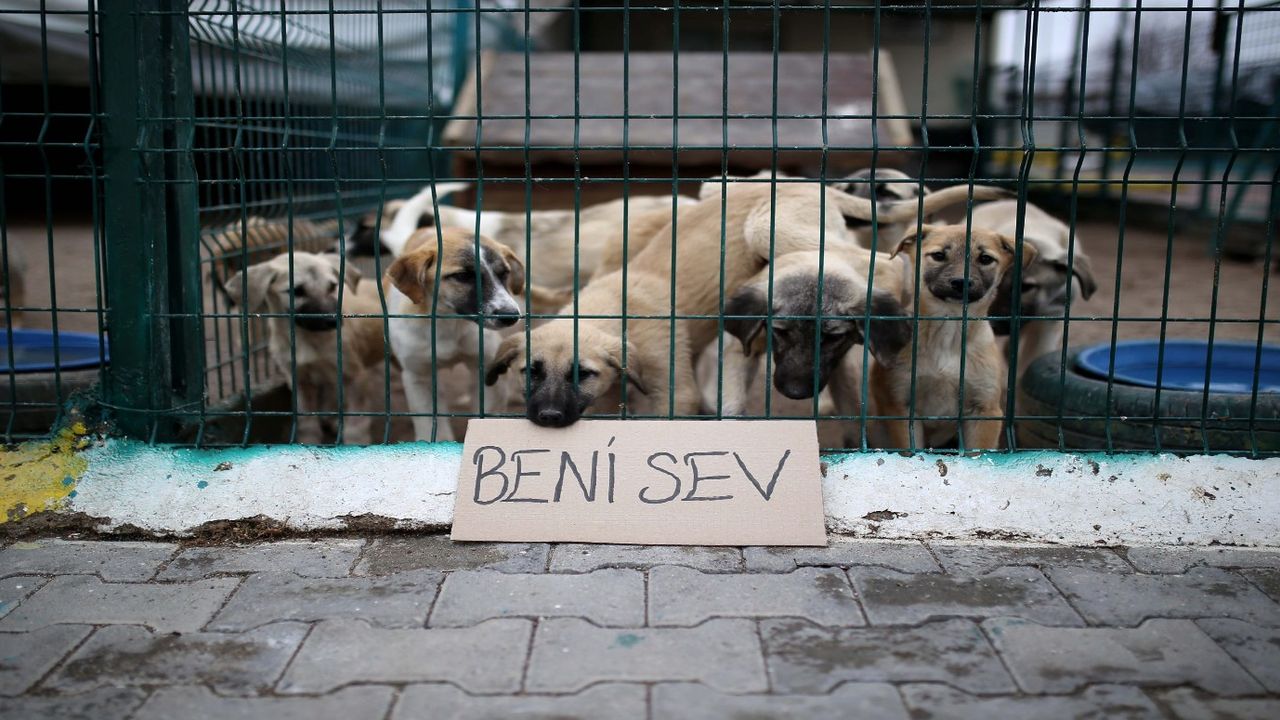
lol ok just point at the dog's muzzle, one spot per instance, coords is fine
(317, 324)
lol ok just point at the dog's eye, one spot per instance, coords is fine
(1028, 286)
(939, 255)
(299, 291)
(584, 374)
(333, 285)
(985, 259)
(462, 276)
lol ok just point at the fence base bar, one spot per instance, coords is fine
(131, 487)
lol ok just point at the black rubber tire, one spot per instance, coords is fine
(41, 388)
(1044, 391)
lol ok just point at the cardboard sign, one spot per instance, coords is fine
(639, 481)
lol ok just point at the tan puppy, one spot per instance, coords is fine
(556, 398)
(943, 290)
(427, 343)
(306, 339)
(1046, 283)
(554, 246)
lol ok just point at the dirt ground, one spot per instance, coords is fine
(1142, 266)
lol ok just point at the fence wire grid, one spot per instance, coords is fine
(231, 222)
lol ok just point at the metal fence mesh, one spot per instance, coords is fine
(156, 152)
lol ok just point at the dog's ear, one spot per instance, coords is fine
(249, 287)
(515, 278)
(511, 348)
(751, 302)
(411, 273)
(614, 358)
(1083, 270)
(886, 338)
(351, 277)
(910, 239)
(1029, 252)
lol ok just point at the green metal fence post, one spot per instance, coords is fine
(152, 259)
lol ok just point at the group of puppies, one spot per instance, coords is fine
(756, 272)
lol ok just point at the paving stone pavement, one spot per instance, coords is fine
(410, 626)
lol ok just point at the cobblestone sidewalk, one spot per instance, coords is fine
(416, 627)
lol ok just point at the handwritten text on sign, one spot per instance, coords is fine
(644, 482)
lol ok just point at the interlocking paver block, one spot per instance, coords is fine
(1159, 652)
(1256, 648)
(400, 600)
(1267, 579)
(384, 556)
(576, 557)
(893, 598)
(690, 701)
(1164, 559)
(13, 590)
(114, 561)
(1190, 704)
(103, 704)
(444, 702)
(233, 664)
(901, 556)
(177, 607)
(683, 596)
(485, 658)
(1110, 599)
(939, 702)
(308, 558)
(570, 654)
(806, 658)
(353, 703)
(973, 559)
(605, 597)
(26, 657)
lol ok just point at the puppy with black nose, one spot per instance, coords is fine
(809, 339)
(567, 373)
(308, 293)
(458, 289)
(959, 271)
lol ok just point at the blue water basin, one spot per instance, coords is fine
(1137, 362)
(33, 351)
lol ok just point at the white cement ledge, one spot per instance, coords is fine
(1040, 497)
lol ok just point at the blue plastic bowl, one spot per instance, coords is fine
(33, 351)
(1137, 362)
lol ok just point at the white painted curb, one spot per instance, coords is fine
(1040, 497)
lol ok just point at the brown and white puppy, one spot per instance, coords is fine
(558, 254)
(1061, 274)
(456, 298)
(558, 392)
(305, 337)
(947, 283)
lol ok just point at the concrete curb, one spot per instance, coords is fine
(127, 486)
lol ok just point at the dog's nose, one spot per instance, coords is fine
(958, 284)
(506, 318)
(549, 417)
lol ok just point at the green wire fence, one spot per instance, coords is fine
(154, 151)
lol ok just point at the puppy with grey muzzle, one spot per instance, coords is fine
(959, 271)
(1061, 274)
(458, 290)
(808, 344)
(303, 301)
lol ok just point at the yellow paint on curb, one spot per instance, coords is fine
(41, 475)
